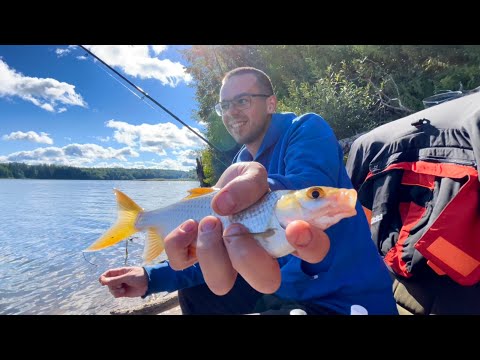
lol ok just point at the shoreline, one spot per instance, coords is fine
(166, 305)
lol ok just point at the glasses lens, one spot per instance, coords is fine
(218, 109)
(242, 103)
(222, 108)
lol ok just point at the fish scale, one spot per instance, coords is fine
(258, 217)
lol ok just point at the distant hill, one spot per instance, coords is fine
(44, 171)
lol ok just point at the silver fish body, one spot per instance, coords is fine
(266, 220)
(259, 219)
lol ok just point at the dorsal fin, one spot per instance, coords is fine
(199, 192)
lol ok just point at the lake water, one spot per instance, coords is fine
(45, 225)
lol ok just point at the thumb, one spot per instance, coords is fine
(112, 281)
(243, 185)
(311, 243)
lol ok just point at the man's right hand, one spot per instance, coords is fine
(125, 281)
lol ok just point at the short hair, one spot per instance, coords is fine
(263, 79)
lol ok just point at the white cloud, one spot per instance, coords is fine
(72, 155)
(93, 155)
(47, 107)
(135, 60)
(41, 138)
(43, 92)
(156, 138)
(186, 157)
(168, 164)
(102, 138)
(173, 164)
(157, 49)
(62, 52)
(202, 123)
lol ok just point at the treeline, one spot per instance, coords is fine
(24, 171)
(354, 87)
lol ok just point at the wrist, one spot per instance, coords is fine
(146, 281)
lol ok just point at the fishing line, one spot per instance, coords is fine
(145, 95)
(126, 251)
(87, 259)
(125, 86)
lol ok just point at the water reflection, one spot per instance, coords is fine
(49, 223)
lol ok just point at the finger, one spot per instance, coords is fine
(114, 272)
(251, 261)
(217, 269)
(117, 292)
(105, 278)
(242, 186)
(311, 243)
(180, 245)
(236, 170)
(112, 281)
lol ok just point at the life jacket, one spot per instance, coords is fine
(418, 180)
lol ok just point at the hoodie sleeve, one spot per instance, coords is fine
(312, 155)
(161, 277)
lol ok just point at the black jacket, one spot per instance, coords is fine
(418, 175)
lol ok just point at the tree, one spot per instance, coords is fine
(354, 87)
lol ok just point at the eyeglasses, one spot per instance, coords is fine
(240, 102)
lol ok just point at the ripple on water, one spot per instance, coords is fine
(42, 267)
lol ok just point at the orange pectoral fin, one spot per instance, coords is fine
(198, 192)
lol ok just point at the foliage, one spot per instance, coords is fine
(354, 87)
(339, 101)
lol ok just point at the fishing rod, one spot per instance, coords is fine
(154, 101)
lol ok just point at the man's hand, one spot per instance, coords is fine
(125, 281)
(180, 245)
(223, 254)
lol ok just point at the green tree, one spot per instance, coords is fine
(354, 87)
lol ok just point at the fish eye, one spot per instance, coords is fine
(315, 193)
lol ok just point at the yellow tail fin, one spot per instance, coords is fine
(128, 212)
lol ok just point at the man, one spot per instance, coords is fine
(330, 271)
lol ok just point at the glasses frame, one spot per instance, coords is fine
(219, 106)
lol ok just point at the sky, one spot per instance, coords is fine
(60, 106)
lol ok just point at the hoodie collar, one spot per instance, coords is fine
(279, 124)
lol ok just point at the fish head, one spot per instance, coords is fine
(320, 206)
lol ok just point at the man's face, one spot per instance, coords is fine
(248, 125)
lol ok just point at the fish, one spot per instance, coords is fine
(266, 220)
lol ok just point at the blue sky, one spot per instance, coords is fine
(58, 106)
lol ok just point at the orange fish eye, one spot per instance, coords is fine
(315, 193)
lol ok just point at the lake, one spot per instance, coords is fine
(45, 226)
